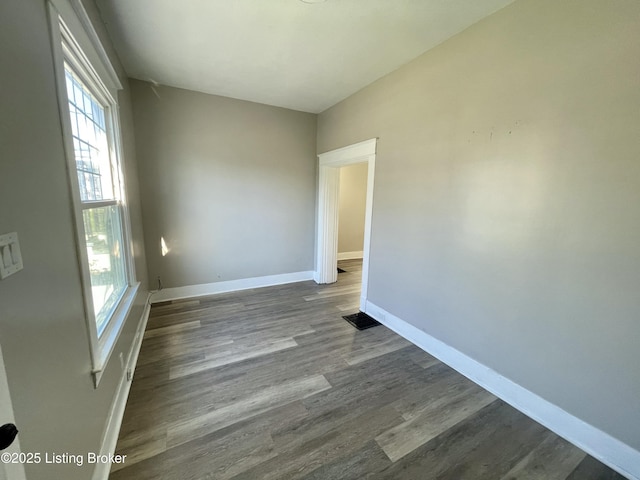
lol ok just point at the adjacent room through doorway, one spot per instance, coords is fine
(351, 223)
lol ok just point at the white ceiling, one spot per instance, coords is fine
(281, 52)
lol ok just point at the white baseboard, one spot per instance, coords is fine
(116, 413)
(350, 255)
(190, 291)
(600, 445)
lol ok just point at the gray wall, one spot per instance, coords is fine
(230, 185)
(42, 327)
(353, 199)
(508, 160)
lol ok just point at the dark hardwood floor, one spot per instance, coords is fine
(272, 383)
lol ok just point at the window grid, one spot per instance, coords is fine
(90, 141)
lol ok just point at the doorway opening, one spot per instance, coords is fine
(328, 207)
(351, 214)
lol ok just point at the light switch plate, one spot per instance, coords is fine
(10, 257)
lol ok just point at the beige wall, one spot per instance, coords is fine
(506, 218)
(42, 326)
(229, 185)
(353, 196)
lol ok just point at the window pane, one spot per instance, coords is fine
(90, 141)
(106, 260)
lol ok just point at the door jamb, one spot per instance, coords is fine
(329, 164)
(8, 470)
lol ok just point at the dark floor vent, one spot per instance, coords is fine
(361, 320)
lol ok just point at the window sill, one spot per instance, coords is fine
(109, 337)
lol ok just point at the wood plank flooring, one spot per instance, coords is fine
(272, 383)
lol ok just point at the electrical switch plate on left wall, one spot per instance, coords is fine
(10, 257)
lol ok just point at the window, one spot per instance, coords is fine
(87, 91)
(99, 186)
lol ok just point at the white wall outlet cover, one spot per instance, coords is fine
(10, 256)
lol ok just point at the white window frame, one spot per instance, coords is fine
(76, 43)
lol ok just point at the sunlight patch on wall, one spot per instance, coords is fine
(163, 247)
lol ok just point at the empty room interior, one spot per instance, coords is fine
(194, 195)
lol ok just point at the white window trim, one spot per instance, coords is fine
(69, 26)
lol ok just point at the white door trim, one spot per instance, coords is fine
(8, 470)
(328, 197)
